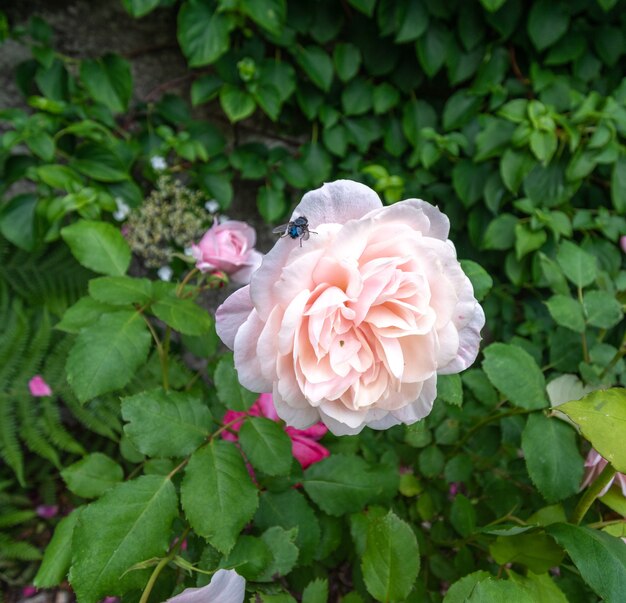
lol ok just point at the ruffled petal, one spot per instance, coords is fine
(232, 314)
(226, 586)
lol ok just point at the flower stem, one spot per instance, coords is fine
(188, 277)
(591, 494)
(159, 568)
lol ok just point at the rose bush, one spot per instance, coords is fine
(354, 326)
(229, 247)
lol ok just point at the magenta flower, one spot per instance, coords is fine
(29, 591)
(38, 387)
(304, 445)
(594, 465)
(47, 511)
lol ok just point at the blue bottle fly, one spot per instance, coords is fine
(298, 228)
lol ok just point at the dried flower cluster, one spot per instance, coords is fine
(169, 220)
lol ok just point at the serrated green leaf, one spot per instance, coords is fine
(120, 290)
(516, 374)
(58, 555)
(217, 494)
(266, 445)
(106, 355)
(316, 592)
(183, 315)
(93, 475)
(391, 559)
(552, 458)
(602, 309)
(601, 416)
(566, 312)
(229, 391)
(462, 589)
(82, 314)
(129, 524)
(600, 558)
(98, 246)
(284, 552)
(165, 423)
(579, 266)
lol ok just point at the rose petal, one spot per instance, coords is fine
(232, 314)
(226, 586)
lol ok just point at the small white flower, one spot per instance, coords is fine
(165, 273)
(122, 211)
(226, 586)
(158, 163)
(212, 206)
(221, 219)
(189, 251)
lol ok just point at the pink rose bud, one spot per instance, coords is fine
(353, 327)
(622, 243)
(38, 387)
(47, 511)
(229, 247)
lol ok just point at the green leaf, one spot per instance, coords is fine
(460, 591)
(432, 49)
(414, 22)
(41, 144)
(515, 373)
(203, 34)
(341, 484)
(98, 246)
(236, 103)
(600, 558)
(107, 354)
(468, 180)
(514, 167)
(527, 240)
(579, 266)
(205, 88)
(460, 109)
(82, 314)
(316, 591)
(289, 510)
(357, 97)
(385, 97)
(269, 14)
(250, 556)
(93, 475)
(547, 22)
(463, 515)
(129, 524)
(552, 458)
(59, 176)
(602, 309)
(58, 555)
(364, 6)
(391, 559)
(609, 44)
(497, 591)
(480, 278)
(109, 81)
(217, 494)
(271, 203)
(450, 389)
(567, 312)
(543, 145)
(140, 8)
(492, 5)
(120, 290)
(183, 315)
(618, 184)
(266, 445)
(317, 65)
(347, 59)
(17, 221)
(99, 163)
(500, 232)
(229, 392)
(166, 423)
(541, 587)
(601, 416)
(284, 552)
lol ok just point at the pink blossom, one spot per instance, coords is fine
(353, 327)
(29, 591)
(38, 387)
(47, 511)
(622, 243)
(304, 445)
(229, 247)
(110, 600)
(594, 465)
(226, 586)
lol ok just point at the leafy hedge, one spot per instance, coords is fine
(511, 116)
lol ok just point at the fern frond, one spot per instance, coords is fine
(53, 427)
(14, 517)
(17, 549)
(9, 446)
(12, 343)
(90, 419)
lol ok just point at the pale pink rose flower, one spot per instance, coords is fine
(353, 326)
(226, 586)
(304, 445)
(38, 387)
(594, 465)
(229, 247)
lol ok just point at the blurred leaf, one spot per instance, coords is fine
(547, 22)
(236, 103)
(109, 81)
(602, 309)
(269, 14)
(579, 266)
(347, 59)
(229, 392)
(317, 65)
(567, 312)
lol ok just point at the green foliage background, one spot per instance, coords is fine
(509, 115)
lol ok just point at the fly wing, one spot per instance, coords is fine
(282, 229)
(305, 235)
